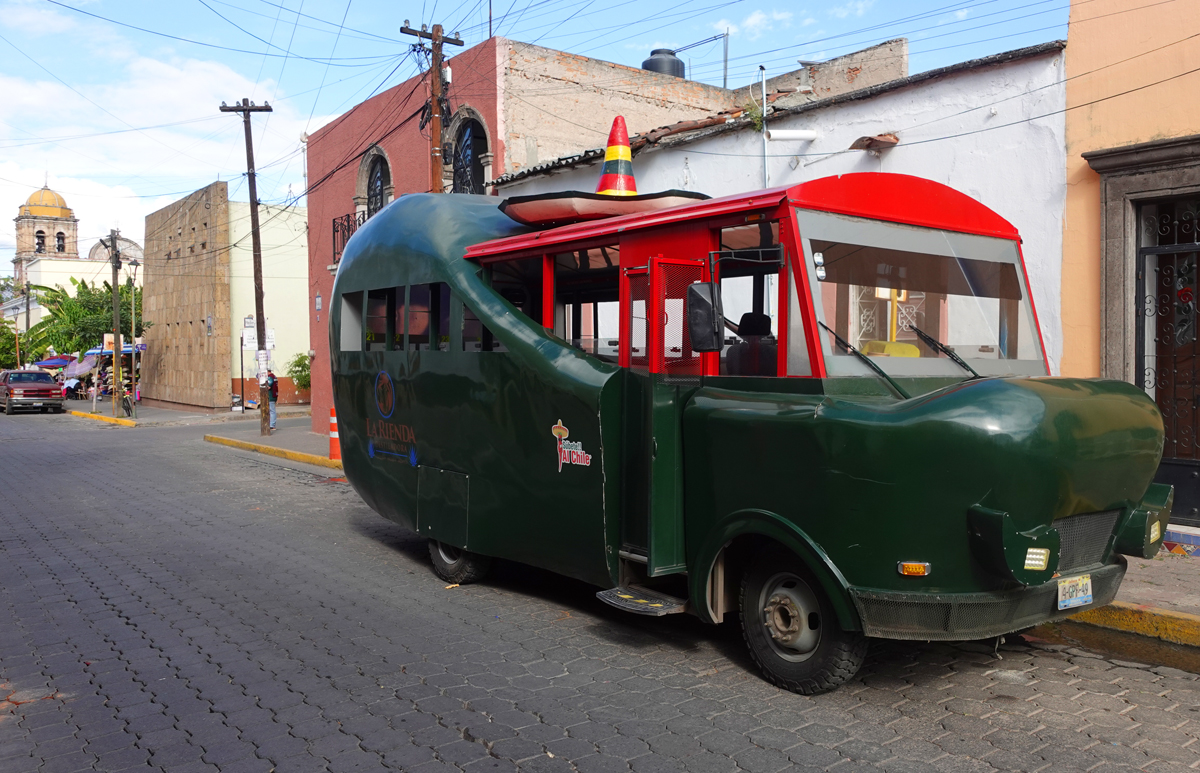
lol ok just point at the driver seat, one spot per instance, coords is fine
(757, 353)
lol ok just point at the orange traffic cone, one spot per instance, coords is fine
(616, 179)
(335, 445)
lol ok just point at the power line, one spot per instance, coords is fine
(333, 62)
(324, 74)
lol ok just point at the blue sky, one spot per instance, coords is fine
(122, 121)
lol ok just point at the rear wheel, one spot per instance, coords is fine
(457, 565)
(8, 409)
(791, 629)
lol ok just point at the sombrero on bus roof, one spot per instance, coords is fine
(616, 193)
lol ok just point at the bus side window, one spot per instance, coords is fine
(475, 335)
(520, 283)
(587, 300)
(398, 317)
(748, 266)
(429, 317)
(352, 322)
(379, 318)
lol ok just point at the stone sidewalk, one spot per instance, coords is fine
(1168, 581)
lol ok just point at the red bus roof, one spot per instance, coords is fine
(875, 195)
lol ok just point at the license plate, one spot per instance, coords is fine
(1075, 591)
(37, 405)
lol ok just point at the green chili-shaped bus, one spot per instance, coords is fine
(823, 409)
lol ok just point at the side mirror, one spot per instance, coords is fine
(704, 317)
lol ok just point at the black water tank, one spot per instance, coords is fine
(664, 60)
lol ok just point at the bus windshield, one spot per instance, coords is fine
(881, 285)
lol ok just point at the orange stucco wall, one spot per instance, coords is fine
(1104, 33)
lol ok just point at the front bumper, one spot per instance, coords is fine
(964, 616)
(36, 402)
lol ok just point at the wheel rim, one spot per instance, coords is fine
(791, 617)
(448, 553)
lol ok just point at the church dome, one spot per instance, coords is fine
(45, 203)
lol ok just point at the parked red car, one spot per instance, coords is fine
(30, 389)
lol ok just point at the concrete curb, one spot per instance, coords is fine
(282, 453)
(1154, 622)
(109, 419)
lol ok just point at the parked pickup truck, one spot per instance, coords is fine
(30, 389)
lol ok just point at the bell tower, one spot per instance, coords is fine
(46, 227)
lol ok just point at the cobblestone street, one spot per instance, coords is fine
(173, 605)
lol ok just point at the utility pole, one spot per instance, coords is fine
(133, 373)
(17, 333)
(435, 98)
(246, 108)
(114, 250)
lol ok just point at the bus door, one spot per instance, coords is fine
(663, 371)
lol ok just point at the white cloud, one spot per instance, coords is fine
(756, 23)
(852, 8)
(960, 15)
(100, 174)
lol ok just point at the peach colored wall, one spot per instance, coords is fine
(1103, 33)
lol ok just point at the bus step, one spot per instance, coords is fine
(642, 601)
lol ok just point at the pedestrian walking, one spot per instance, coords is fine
(273, 393)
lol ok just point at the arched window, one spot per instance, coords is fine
(40, 241)
(379, 179)
(469, 147)
(60, 242)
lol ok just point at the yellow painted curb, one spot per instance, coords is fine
(1164, 624)
(109, 419)
(282, 453)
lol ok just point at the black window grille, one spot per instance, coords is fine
(379, 179)
(469, 147)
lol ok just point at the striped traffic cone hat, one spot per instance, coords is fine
(616, 179)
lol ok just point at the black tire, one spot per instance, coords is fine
(791, 629)
(457, 565)
(45, 410)
(8, 409)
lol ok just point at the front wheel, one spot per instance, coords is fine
(791, 629)
(8, 409)
(457, 565)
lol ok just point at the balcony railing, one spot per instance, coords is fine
(343, 228)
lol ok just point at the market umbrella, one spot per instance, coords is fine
(55, 362)
(80, 368)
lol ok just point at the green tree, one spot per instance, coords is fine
(299, 371)
(78, 322)
(8, 345)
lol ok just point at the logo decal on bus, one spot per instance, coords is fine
(385, 394)
(568, 452)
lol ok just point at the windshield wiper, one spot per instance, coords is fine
(933, 343)
(842, 342)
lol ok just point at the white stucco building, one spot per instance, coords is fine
(993, 128)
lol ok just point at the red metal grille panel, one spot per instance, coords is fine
(678, 360)
(639, 328)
